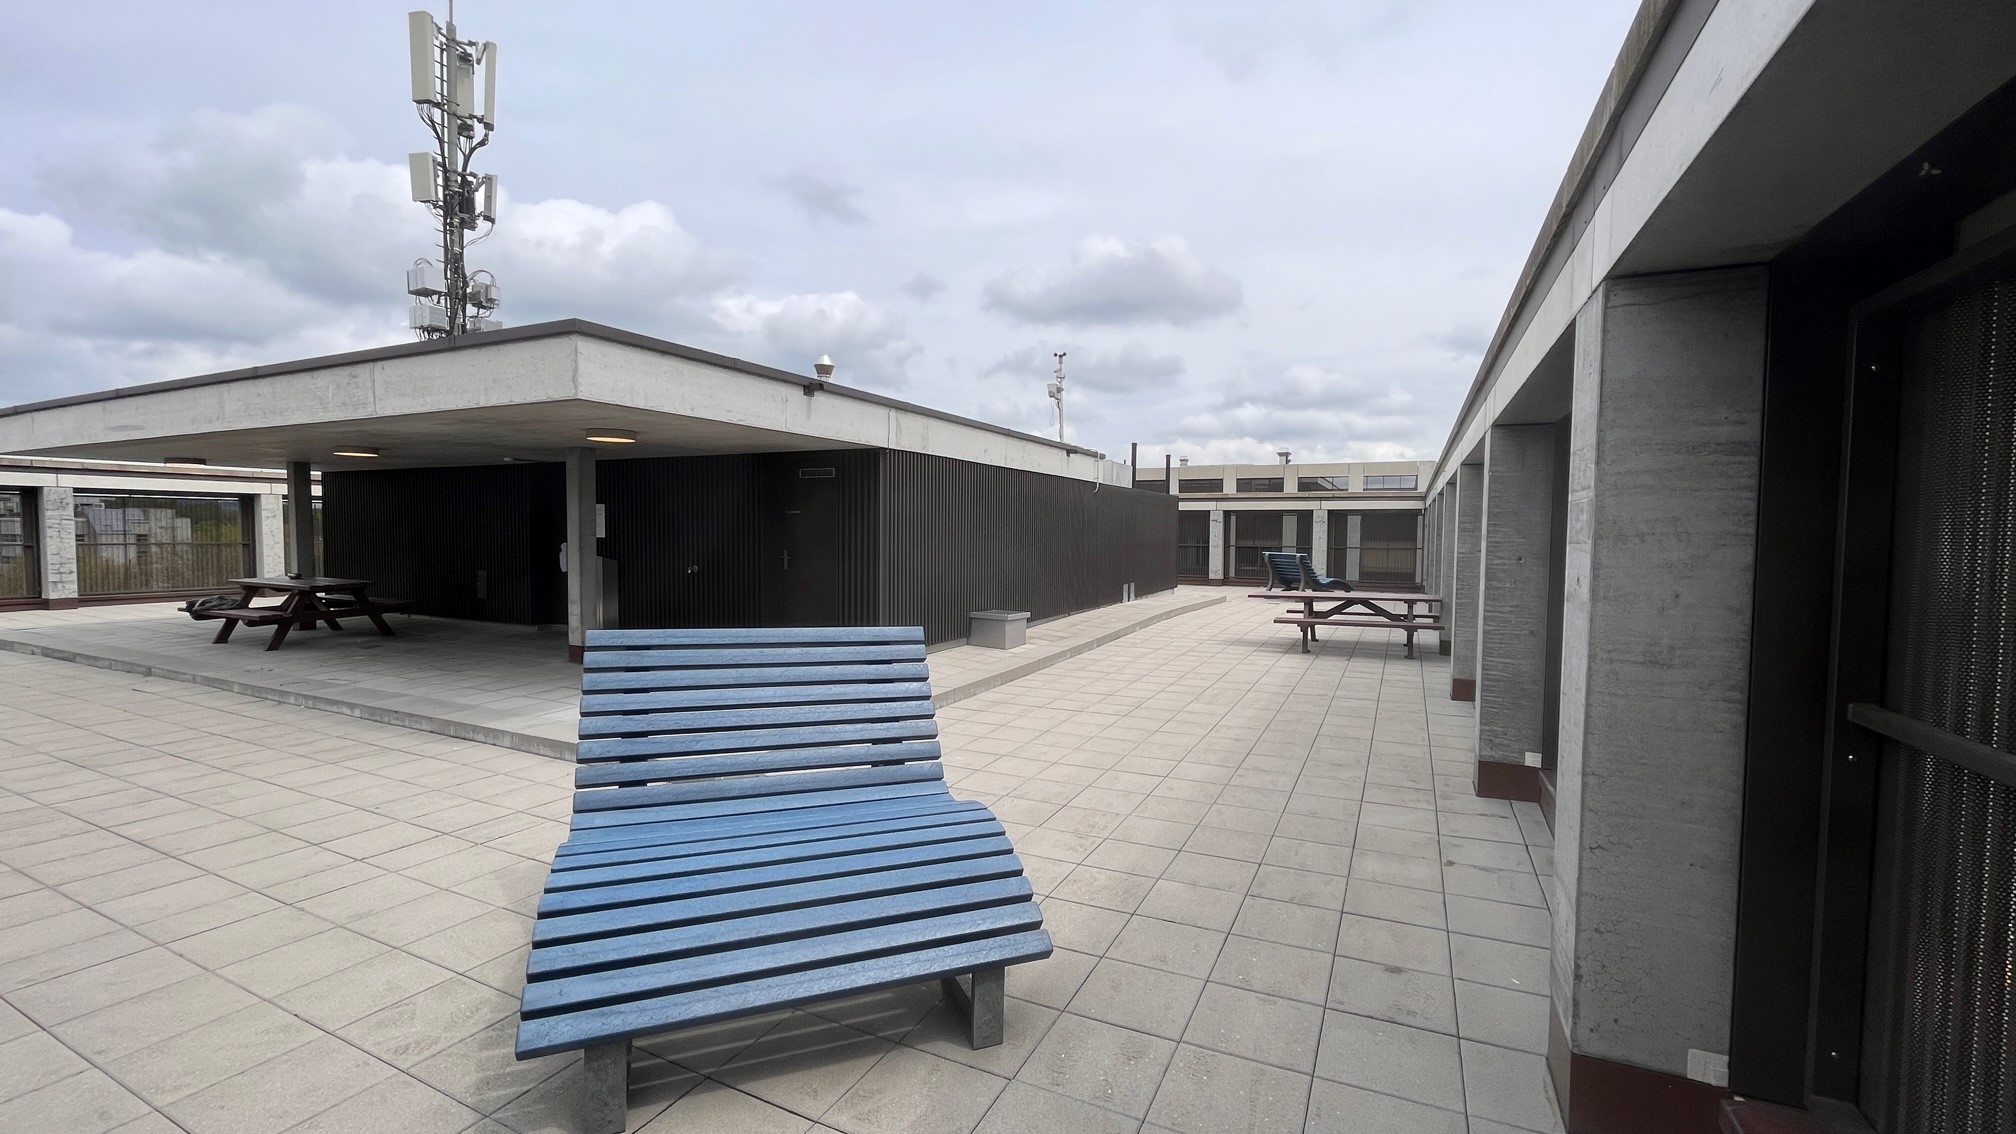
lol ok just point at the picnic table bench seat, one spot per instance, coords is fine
(761, 822)
(1308, 626)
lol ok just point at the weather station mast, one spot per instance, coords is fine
(1056, 392)
(449, 299)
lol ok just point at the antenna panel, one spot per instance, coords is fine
(424, 280)
(427, 317)
(490, 84)
(461, 84)
(486, 208)
(424, 171)
(420, 32)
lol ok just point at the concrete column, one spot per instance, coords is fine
(1460, 607)
(1655, 648)
(56, 541)
(584, 564)
(1445, 568)
(1354, 544)
(1512, 609)
(269, 527)
(1289, 530)
(1216, 568)
(1319, 540)
(301, 516)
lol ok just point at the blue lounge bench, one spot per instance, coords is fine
(1297, 572)
(761, 822)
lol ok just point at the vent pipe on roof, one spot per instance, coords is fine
(1184, 461)
(1284, 455)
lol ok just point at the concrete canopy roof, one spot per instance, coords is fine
(522, 394)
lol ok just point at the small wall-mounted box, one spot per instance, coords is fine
(998, 629)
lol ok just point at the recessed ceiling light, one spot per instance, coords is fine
(356, 451)
(613, 436)
(185, 460)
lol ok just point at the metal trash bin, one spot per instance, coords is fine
(999, 629)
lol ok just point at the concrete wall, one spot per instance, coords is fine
(56, 519)
(1460, 609)
(1655, 648)
(1512, 611)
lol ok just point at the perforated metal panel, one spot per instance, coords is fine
(1945, 984)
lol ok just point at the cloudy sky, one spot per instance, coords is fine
(1254, 225)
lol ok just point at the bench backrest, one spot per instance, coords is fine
(1315, 581)
(686, 722)
(1282, 569)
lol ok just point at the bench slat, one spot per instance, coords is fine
(750, 763)
(622, 679)
(742, 658)
(550, 1034)
(666, 912)
(715, 720)
(566, 994)
(625, 820)
(663, 848)
(755, 635)
(1375, 623)
(665, 944)
(779, 874)
(753, 695)
(767, 824)
(677, 866)
(745, 787)
(631, 748)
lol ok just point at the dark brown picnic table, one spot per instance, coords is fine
(1341, 602)
(303, 604)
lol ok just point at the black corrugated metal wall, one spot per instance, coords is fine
(960, 537)
(684, 533)
(480, 543)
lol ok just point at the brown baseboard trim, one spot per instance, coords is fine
(1598, 1096)
(1462, 689)
(1547, 797)
(61, 604)
(1498, 780)
(575, 653)
(1754, 1116)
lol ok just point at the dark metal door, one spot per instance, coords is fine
(1914, 1003)
(800, 564)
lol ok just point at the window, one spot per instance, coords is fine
(1322, 484)
(1193, 544)
(287, 540)
(18, 577)
(1374, 483)
(1260, 484)
(1200, 484)
(137, 545)
(1376, 547)
(1247, 534)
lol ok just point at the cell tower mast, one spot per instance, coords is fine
(448, 298)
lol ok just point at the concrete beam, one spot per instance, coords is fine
(584, 562)
(1460, 609)
(1512, 608)
(1655, 649)
(56, 542)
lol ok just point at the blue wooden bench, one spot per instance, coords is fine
(761, 823)
(1298, 573)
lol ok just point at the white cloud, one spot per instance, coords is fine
(923, 288)
(1131, 367)
(867, 342)
(822, 198)
(1110, 282)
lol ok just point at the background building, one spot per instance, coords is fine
(1357, 520)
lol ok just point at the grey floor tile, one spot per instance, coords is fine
(152, 1016)
(34, 1061)
(1275, 969)
(914, 1092)
(1025, 1109)
(1338, 1108)
(1501, 921)
(429, 1021)
(1306, 927)
(85, 1103)
(1510, 1087)
(281, 1091)
(1485, 961)
(1168, 945)
(804, 1064)
(1391, 1058)
(1099, 1063)
(1254, 1025)
(1490, 1014)
(394, 1103)
(1207, 1092)
(1367, 898)
(87, 990)
(351, 994)
(1182, 902)
(1107, 889)
(210, 1053)
(1302, 887)
(943, 1032)
(1079, 927)
(1134, 996)
(1389, 992)
(1393, 943)
(710, 1106)
(1519, 887)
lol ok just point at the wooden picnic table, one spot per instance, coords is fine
(1344, 601)
(303, 604)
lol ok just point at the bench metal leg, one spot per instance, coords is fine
(224, 631)
(605, 1088)
(985, 1009)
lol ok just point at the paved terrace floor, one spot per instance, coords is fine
(1277, 908)
(510, 686)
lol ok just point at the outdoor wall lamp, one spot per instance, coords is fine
(356, 451)
(823, 370)
(613, 436)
